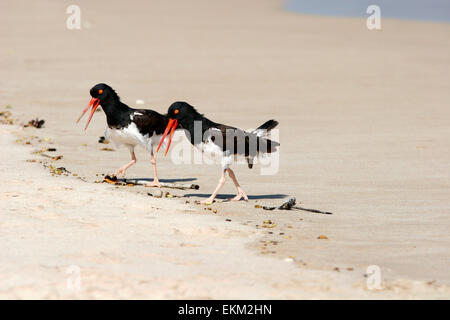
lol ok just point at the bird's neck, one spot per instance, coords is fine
(116, 111)
(193, 125)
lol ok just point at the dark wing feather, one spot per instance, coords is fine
(150, 122)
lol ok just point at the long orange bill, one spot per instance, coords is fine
(172, 125)
(94, 103)
(84, 111)
(169, 125)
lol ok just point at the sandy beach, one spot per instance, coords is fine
(363, 130)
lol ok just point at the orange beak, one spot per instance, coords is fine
(172, 125)
(94, 103)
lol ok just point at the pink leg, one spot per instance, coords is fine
(123, 169)
(155, 182)
(241, 194)
(219, 186)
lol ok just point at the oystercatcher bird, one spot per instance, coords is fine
(128, 126)
(220, 140)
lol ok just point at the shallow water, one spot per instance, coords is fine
(426, 10)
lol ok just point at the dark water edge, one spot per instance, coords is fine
(421, 10)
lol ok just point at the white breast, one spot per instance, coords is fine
(215, 153)
(130, 137)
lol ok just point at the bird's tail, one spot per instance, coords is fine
(262, 132)
(264, 129)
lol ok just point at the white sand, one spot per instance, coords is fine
(364, 133)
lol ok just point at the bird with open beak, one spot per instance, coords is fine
(127, 126)
(214, 139)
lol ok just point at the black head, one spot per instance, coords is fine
(102, 91)
(101, 94)
(180, 114)
(183, 112)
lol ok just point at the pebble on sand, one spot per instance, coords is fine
(35, 123)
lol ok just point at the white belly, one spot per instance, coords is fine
(131, 137)
(215, 153)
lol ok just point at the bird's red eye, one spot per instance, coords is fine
(176, 111)
(100, 91)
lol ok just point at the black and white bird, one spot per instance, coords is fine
(128, 126)
(220, 140)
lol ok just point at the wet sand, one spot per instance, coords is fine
(363, 131)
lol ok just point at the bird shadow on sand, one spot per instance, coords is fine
(165, 180)
(229, 196)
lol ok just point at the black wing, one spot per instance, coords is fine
(149, 122)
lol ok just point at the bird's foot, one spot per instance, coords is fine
(121, 172)
(239, 196)
(154, 183)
